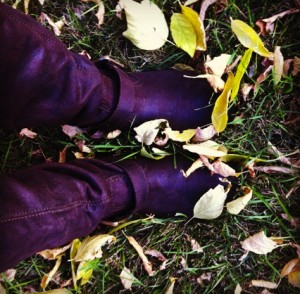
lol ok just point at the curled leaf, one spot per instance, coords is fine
(146, 25)
(249, 38)
(219, 115)
(278, 65)
(204, 134)
(195, 165)
(242, 67)
(237, 205)
(211, 204)
(264, 284)
(223, 169)
(48, 277)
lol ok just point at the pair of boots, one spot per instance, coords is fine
(43, 84)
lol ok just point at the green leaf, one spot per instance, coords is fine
(84, 271)
(194, 19)
(242, 67)
(249, 38)
(183, 33)
(219, 115)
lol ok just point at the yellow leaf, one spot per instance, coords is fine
(55, 291)
(210, 205)
(218, 64)
(259, 244)
(183, 136)
(208, 148)
(194, 19)
(294, 278)
(249, 38)
(242, 67)
(289, 267)
(84, 272)
(146, 25)
(278, 65)
(219, 115)
(74, 249)
(183, 33)
(195, 165)
(91, 247)
(55, 253)
(237, 205)
(48, 277)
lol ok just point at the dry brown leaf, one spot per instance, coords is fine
(275, 169)
(156, 254)
(2, 290)
(286, 66)
(292, 270)
(246, 88)
(51, 254)
(264, 284)
(296, 66)
(259, 244)
(48, 277)
(63, 155)
(262, 27)
(205, 134)
(204, 5)
(27, 133)
(127, 278)
(101, 10)
(147, 264)
(262, 77)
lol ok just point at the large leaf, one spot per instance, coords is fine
(242, 67)
(219, 115)
(146, 25)
(249, 38)
(194, 19)
(211, 204)
(183, 33)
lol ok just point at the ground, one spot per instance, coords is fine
(262, 119)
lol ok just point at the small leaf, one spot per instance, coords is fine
(223, 169)
(242, 67)
(219, 115)
(204, 134)
(183, 33)
(55, 291)
(48, 277)
(156, 154)
(278, 65)
(178, 136)
(264, 284)
(211, 204)
(146, 25)
(249, 38)
(101, 10)
(84, 272)
(237, 205)
(194, 19)
(27, 133)
(55, 253)
(195, 165)
(127, 278)
(218, 64)
(91, 247)
(259, 244)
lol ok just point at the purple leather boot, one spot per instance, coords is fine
(43, 84)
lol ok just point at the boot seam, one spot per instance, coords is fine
(50, 210)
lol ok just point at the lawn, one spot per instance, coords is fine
(268, 114)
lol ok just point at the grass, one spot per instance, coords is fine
(261, 121)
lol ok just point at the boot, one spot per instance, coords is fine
(49, 205)
(43, 84)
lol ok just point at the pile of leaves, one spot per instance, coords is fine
(229, 74)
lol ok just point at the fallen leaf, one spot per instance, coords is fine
(26, 6)
(238, 289)
(55, 291)
(155, 154)
(296, 66)
(264, 284)
(8, 275)
(197, 24)
(57, 26)
(71, 131)
(242, 67)
(219, 115)
(211, 204)
(183, 33)
(178, 136)
(2, 290)
(245, 90)
(76, 243)
(207, 163)
(51, 254)
(147, 264)
(114, 134)
(223, 169)
(280, 156)
(290, 267)
(146, 25)
(204, 134)
(262, 77)
(189, 2)
(217, 65)
(101, 10)
(171, 287)
(27, 133)
(237, 205)
(204, 277)
(204, 5)
(196, 246)
(84, 272)
(195, 165)
(91, 247)
(208, 148)
(259, 244)
(156, 254)
(249, 38)
(275, 169)
(147, 132)
(278, 65)
(183, 263)
(48, 277)
(286, 66)
(215, 82)
(127, 278)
